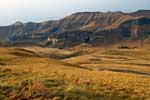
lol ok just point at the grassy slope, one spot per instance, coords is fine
(137, 59)
(28, 75)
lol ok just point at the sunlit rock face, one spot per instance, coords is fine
(96, 28)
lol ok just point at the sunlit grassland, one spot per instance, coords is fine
(27, 74)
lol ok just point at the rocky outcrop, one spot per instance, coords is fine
(129, 30)
(94, 28)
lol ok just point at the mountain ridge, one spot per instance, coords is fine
(78, 28)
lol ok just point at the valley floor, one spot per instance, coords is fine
(81, 73)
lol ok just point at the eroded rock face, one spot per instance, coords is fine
(86, 27)
(71, 38)
(131, 30)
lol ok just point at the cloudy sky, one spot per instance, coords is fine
(40, 10)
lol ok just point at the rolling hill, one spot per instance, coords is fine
(35, 73)
(105, 56)
(96, 28)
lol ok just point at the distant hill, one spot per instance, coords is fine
(96, 28)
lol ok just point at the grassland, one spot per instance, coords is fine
(34, 73)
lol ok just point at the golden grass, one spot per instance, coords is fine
(25, 77)
(129, 59)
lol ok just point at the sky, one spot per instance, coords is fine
(12, 11)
